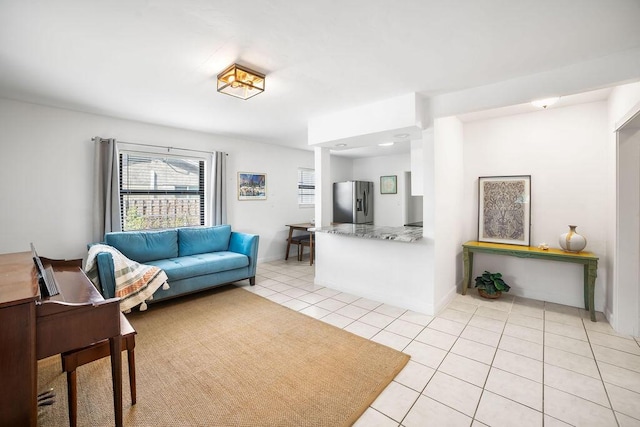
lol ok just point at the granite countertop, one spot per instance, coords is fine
(368, 231)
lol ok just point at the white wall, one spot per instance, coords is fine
(388, 209)
(449, 197)
(370, 123)
(623, 299)
(626, 291)
(341, 169)
(605, 71)
(563, 149)
(414, 207)
(47, 179)
(417, 167)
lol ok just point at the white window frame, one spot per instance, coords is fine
(135, 149)
(301, 183)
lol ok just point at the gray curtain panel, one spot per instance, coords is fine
(106, 190)
(219, 188)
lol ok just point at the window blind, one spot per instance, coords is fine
(159, 191)
(306, 187)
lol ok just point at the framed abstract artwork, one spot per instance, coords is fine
(389, 184)
(504, 209)
(252, 186)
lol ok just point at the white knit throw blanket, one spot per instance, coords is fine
(135, 282)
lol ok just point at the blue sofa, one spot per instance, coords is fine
(194, 258)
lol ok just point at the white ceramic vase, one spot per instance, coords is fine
(572, 241)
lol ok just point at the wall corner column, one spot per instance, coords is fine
(324, 189)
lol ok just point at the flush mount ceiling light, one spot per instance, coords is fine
(241, 82)
(386, 144)
(544, 103)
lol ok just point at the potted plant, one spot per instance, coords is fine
(491, 285)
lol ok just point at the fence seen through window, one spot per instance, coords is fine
(161, 192)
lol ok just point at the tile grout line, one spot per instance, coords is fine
(449, 352)
(615, 416)
(381, 413)
(544, 332)
(425, 386)
(507, 351)
(491, 365)
(403, 349)
(436, 370)
(467, 323)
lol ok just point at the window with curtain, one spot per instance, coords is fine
(161, 191)
(306, 187)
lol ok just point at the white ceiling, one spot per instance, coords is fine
(156, 60)
(564, 101)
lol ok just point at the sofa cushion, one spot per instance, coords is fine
(201, 240)
(144, 246)
(200, 264)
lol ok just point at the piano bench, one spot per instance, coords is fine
(73, 359)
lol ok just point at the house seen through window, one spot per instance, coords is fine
(159, 191)
(306, 187)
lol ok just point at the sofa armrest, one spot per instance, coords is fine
(106, 274)
(246, 244)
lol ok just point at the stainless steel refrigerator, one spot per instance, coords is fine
(353, 202)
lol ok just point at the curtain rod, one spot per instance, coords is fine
(98, 139)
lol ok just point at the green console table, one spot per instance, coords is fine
(589, 260)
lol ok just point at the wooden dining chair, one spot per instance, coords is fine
(310, 242)
(299, 241)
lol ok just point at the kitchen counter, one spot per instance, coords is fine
(376, 262)
(368, 231)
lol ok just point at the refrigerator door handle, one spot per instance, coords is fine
(365, 201)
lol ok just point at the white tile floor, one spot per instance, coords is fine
(510, 362)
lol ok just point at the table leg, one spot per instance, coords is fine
(591, 272)
(286, 257)
(72, 398)
(467, 257)
(586, 286)
(131, 360)
(115, 347)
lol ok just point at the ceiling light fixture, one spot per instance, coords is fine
(241, 82)
(386, 144)
(401, 135)
(341, 145)
(544, 103)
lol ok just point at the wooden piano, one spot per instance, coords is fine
(34, 327)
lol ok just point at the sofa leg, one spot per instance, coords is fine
(252, 281)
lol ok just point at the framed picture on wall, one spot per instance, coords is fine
(388, 184)
(504, 209)
(252, 186)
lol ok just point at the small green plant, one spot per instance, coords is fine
(491, 283)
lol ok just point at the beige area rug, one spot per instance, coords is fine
(231, 358)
